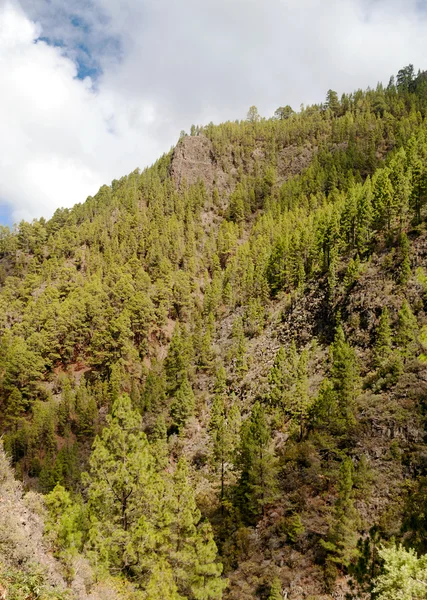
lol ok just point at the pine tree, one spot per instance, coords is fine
(159, 443)
(224, 428)
(236, 208)
(206, 351)
(186, 513)
(407, 331)
(352, 272)
(258, 480)
(220, 441)
(405, 79)
(283, 112)
(254, 317)
(283, 375)
(276, 378)
(115, 381)
(183, 403)
(192, 550)
(288, 383)
(238, 349)
(276, 590)
(387, 361)
(344, 376)
(206, 582)
(253, 115)
(300, 403)
(383, 200)
(66, 407)
(332, 273)
(341, 541)
(383, 347)
(179, 358)
(332, 102)
(65, 522)
(15, 405)
(161, 584)
(404, 575)
(121, 486)
(404, 271)
(419, 189)
(220, 386)
(364, 217)
(153, 397)
(401, 179)
(349, 218)
(86, 411)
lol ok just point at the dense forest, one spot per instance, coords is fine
(213, 373)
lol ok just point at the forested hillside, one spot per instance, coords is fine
(213, 373)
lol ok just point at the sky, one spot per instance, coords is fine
(92, 89)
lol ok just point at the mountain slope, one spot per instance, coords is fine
(255, 304)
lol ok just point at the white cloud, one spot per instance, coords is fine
(60, 138)
(168, 64)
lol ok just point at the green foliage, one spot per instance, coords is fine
(406, 79)
(369, 564)
(29, 584)
(288, 384)
(253, 115)
(299, 205)
(352, 272)
(182, 407)
(254, 317)
(415, 518)
(407, 331)
(206, 583)
(153, 395)
(120, 483)
(292, 526)
(345, 377)
(140, 517)
(238, 348)
(276, 590)
(224, 426)
(258, 480)
(383, 343)
(342, 537)
(159, 442)
(179, 357)
(332, 102)
(193, 550)
(66, 522)
(404, 577)
(162, 584)
(283, 112)
(386, 359)
(383, 200)
(334, 407)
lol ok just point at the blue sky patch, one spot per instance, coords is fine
(81, 39)
(78, 22)
(6, 215)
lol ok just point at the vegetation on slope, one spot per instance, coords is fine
(215, 369)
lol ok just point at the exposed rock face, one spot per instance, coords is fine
(293, 159)
(24, 547)
(21, 528)
(193, 160)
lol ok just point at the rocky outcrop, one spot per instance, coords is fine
(293, 159)
(193, 160)
(21, 529)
